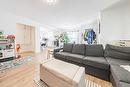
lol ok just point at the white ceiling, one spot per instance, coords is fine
(64, 15)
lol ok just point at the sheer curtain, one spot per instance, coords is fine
(73, 37)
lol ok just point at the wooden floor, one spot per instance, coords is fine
(23, 76)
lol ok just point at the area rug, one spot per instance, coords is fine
(5, 66)
(88, 83)
(40, 83)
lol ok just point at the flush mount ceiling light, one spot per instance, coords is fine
(51, 2)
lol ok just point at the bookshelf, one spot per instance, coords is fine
(7, 48)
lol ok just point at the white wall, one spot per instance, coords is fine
(115, 22)
(126, 23)
(8, 24)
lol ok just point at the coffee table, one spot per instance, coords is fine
(57, 73)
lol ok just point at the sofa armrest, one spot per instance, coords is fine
(57, 50)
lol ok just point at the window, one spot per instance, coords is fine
(73, 37)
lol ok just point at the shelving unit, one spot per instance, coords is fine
(7, 49)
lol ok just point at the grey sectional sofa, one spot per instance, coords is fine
(104, 64)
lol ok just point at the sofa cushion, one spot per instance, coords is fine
(78, 49)
(94, 50)
(67, 47)
(57, 50)
(117, 61)
(120, 74)
(117, 52)
(61, 55)
(75, 58)
(124, 84)
(99, 62)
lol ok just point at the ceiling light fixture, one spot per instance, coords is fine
(51, 2)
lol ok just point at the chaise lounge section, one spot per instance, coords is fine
(117, 56)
